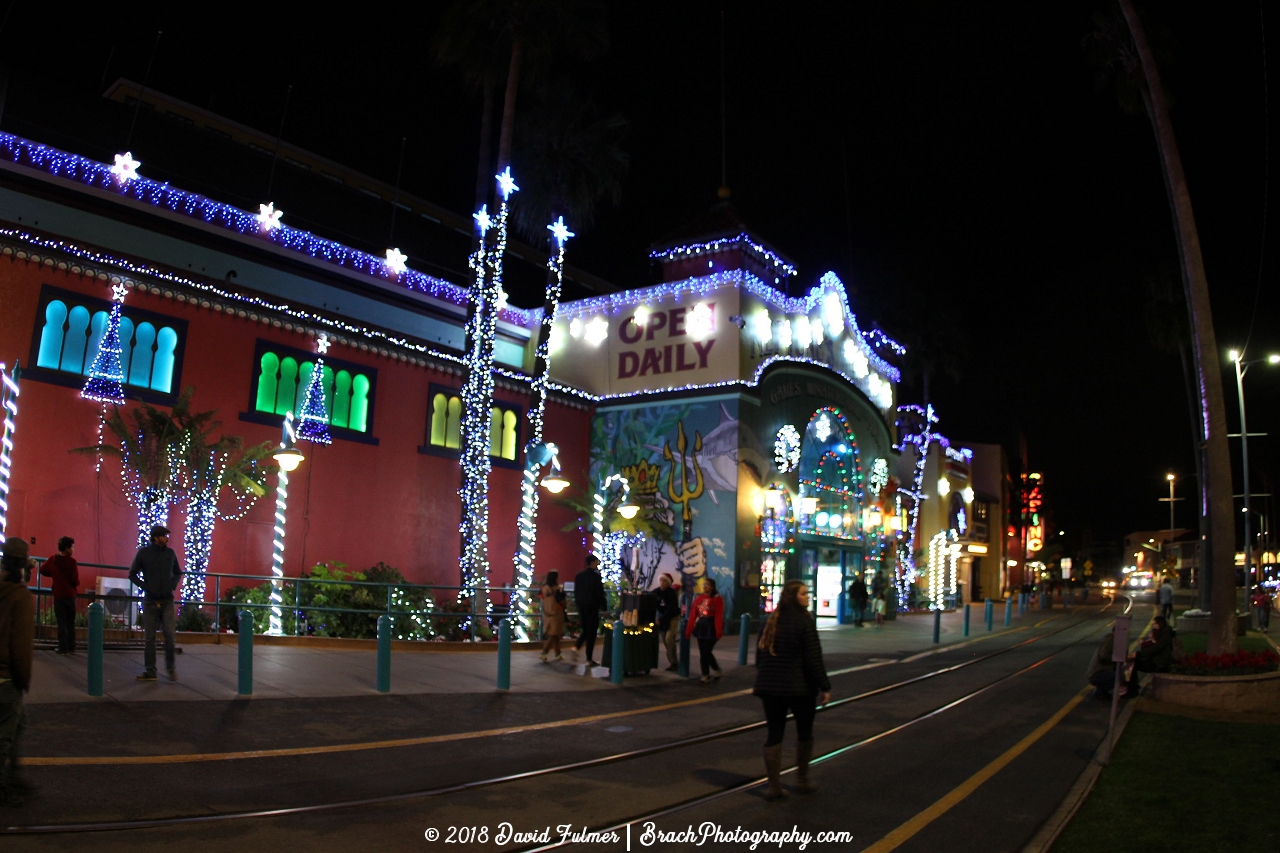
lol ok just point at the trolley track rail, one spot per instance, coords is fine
(629, 755)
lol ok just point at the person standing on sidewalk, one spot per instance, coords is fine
(858, 599)
(552, 596)
(155, 571)
(589, 595)
(1262, 608)
(879, 607)
(790, 676)
(668, 613)
(64, 571)
(17, 635)
(1164, 597)
(706, 625)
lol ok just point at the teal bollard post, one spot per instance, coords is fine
(94, 650)
(384, 654)
(618, 660)
(966, 621)
(744, 639)
(504, 654)
(937, 626)
(1008, 612)
(246, 654)
(990, 612)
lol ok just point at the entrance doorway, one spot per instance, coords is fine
(827, 571)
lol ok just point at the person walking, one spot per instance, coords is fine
(552, 595)
(155, 571)
(706, 625)
(65, 573)
(858, 598)
(17, 635)
(879, 607)
(1261, 602)
(1164, 597)
(589, 595)
(668, 613)
(790, 677)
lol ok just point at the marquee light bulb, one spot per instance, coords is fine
(782, 334)
(967, 494)
(802, 336)
(944, 487)
(597, 331)
(700, 322)
(762, 326)
(641, 316)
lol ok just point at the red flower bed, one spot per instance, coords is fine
(1240, 663)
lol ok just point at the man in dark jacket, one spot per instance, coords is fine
(155, 571)
(668, 613)
(62, 569)
(17, 633)
(588, 593)
(858, 599)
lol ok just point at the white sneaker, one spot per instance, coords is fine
(543, 656)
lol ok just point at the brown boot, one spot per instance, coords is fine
(773, 767)
(804, 752)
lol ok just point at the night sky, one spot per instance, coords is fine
(956, 164)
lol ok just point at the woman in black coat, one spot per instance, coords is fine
(790, 676)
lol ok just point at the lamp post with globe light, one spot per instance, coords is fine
(1242, 367)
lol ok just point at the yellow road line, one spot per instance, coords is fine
(900, 835)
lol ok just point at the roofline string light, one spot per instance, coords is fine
(527, 525)
(711, 246)
(122, 179)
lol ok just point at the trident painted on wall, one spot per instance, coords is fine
(687, 492)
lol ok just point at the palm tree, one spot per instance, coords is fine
(529, 35)
(205, 468)
(149, 448)
(1216, 486)
(569, 160)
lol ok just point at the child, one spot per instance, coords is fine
(879, 609)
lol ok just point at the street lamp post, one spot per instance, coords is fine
(1171, 500)
(1242, 367)
(288, 457)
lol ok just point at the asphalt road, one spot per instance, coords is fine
(867, 792)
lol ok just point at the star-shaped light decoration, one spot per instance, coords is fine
(597, 331)
(118, 292)
(559, 231)
(502, 299)
(483, 220)
(506, 184)
(322, 345)
(126, 168)
(395, 261)
(268, 217)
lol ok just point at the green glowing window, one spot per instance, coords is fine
(281, 375)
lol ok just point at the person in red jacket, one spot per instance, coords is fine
(706, 625)
(65, 572)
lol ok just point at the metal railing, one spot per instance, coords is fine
(299, 612)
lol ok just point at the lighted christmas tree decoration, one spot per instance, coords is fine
(125, 168)
(396, 261)
(9, 413)
(537, 454)
(268, 217)
(106, 374)
(313, 421)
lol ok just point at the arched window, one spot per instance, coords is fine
(341, 409)
(453, 439)
(97, 328)
(269, 369)
(51, 335)
(439, 417)
(510, 422)
(287, 388)
(126, 344)
(495, 431)
(140, 367)
(76, 338)
(361, 392)
(166, 356)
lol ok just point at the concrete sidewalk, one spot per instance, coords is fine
(209, 672)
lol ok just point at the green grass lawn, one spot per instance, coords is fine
(1180, 784)
(1252, 642)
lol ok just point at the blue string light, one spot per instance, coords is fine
(313, 419)
(106, 375)
(692, 250)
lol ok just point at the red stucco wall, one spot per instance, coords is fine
(349, 502)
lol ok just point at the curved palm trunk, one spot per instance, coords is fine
(509, 105)
(1219, 548)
